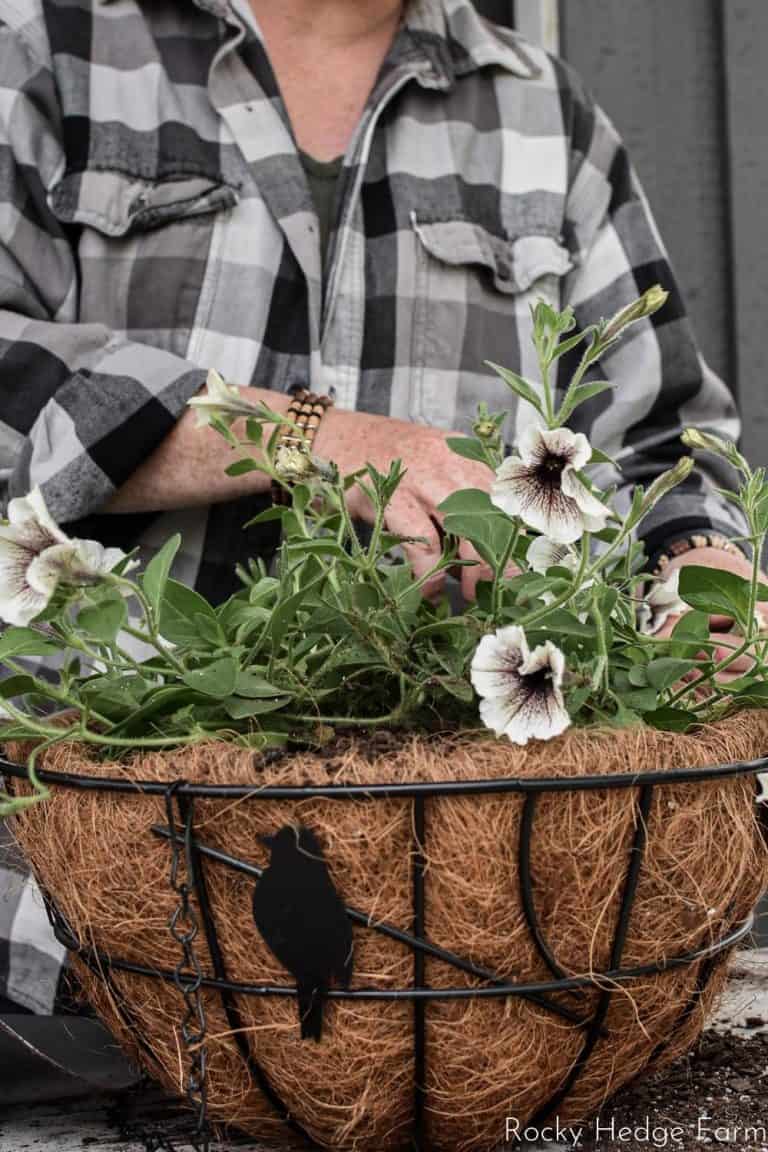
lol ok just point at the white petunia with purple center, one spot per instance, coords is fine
(35, 556)
(543, 486)
(520, 690)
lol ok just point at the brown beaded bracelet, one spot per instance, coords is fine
(306, 410)
(688, 543)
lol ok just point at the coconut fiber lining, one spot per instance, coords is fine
(704, 869)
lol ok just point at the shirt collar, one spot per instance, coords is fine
(450, 33)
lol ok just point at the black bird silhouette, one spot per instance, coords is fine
(302, 919)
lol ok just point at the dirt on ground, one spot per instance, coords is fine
(718, 1095)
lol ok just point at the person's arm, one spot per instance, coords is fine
(81, 407)
(663, 383)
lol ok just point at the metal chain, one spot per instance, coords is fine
(188, 977)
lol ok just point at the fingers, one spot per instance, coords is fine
(406, 517)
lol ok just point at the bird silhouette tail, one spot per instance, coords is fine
(311, 1013)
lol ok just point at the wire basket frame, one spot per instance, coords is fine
(187, 924)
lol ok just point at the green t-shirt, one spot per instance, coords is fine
(323, 179)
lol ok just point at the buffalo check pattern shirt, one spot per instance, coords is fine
(155, 222)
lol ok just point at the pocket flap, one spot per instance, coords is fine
(117, 203)
(513, 264)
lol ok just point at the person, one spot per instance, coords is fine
(362, 197)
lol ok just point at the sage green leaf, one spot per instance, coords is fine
(25, 642)
(255, 686)
(580, 394)
(467, 447)
(717, 592)
(642, 700)
(238, 708)
(103, 620)
(217, 679)
(241, 467)
(157, 571)
(519, 386)
(178, 611)
(162, 702)
(671, 719)
(17, 685)
(666, 671)
(468, 502)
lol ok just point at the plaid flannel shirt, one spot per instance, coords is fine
(155, 221)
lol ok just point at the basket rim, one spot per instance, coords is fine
(388, 790)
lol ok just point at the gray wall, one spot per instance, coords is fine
(686, 83)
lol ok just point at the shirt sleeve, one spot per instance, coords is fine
(663, 383)
(80, 406)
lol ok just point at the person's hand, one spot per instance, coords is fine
(723, 631)
(433, 472)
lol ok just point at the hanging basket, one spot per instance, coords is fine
(532, 927)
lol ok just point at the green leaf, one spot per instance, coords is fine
(179, 609)
(717, 592)
(519, 386)
(564, 623)
(240, 709)
(161, 702)
(276, 513)
(255, 686)
(643, 700)
(285, 612)
(157, 571)
(468, 502)
(217, 679)
(17, 685)
(637, 676)
(457, 687)
(666, 671)
(690, 632)
(210, 630)
(671, 719)
(580, 394)
(467, 447)
(599, 457)
(241, 467)
(25, 642)
(104, 620)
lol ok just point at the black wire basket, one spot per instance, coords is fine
(189, 859)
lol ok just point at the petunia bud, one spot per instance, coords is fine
(666, 482)
(650, 302)
(708, 442)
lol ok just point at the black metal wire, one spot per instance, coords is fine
(390, 791)
(419, 1006)
(394, 933)
(411, 993)
(188, 976)
(228, 1001)
(526, 891)
(191, 979)
(634, 865)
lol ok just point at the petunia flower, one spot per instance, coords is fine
(661, 601)
(520, 690)
(544, 554)
(543, 487)
(35, 556)
(222, 400)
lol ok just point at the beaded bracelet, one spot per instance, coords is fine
(306, 410)
(697, 540)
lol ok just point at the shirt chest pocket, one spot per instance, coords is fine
(472, 297)
(144, 249)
